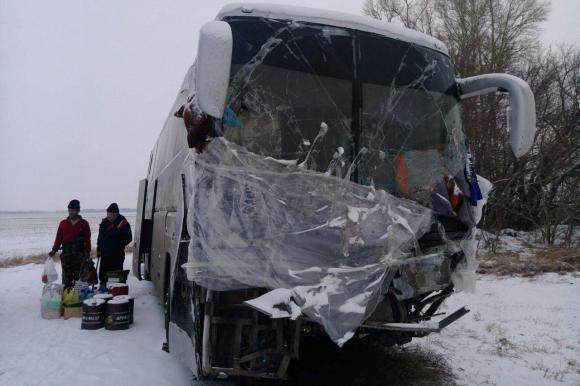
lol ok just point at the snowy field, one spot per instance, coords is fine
(519, 332)
(35, 351)
(25, 234)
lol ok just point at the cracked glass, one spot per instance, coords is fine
(369, 108)
(337, 148)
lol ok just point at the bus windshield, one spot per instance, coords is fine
(356, 105)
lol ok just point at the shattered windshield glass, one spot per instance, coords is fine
(340, 150)
(356, 105)
(288, 78)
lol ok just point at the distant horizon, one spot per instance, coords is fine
(91, 210)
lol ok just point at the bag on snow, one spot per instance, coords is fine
(50, 301)
(49, 273)
(70, 297)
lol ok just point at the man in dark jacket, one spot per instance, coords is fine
(74, 235)
(114, 235)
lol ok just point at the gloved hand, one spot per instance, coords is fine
(51, 253)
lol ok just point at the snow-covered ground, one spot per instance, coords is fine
(519, 332)
(23, 234)
(35, 351)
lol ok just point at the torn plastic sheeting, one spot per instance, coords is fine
(464, 275)
(258, 222)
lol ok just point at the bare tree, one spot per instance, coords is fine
(481, 35)
(415, 14)
(551, 190)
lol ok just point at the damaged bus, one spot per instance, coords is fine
(312, 178)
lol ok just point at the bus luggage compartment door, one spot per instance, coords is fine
(142, 241)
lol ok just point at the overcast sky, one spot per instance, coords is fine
(86, 85)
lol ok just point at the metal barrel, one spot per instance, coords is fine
(93, 316)
(131, 305)
(118, 313)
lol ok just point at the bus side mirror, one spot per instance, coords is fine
(522, 112)
(213, 63)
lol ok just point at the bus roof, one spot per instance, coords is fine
(332, 18)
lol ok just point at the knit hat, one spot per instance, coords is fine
(113, 208)
(74, 204)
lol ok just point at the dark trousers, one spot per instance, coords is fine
(110, 262)
(71, 268)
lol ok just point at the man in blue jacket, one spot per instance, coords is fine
(114, 235)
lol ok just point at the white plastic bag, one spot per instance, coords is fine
(49, 274)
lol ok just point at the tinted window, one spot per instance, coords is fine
(410, 116)
(287, 80)
(396, 107)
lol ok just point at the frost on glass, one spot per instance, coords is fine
(344, 164)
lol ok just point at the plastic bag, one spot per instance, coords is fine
(50, 302)
(70, 297)
(89, 272)
(49, 273)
